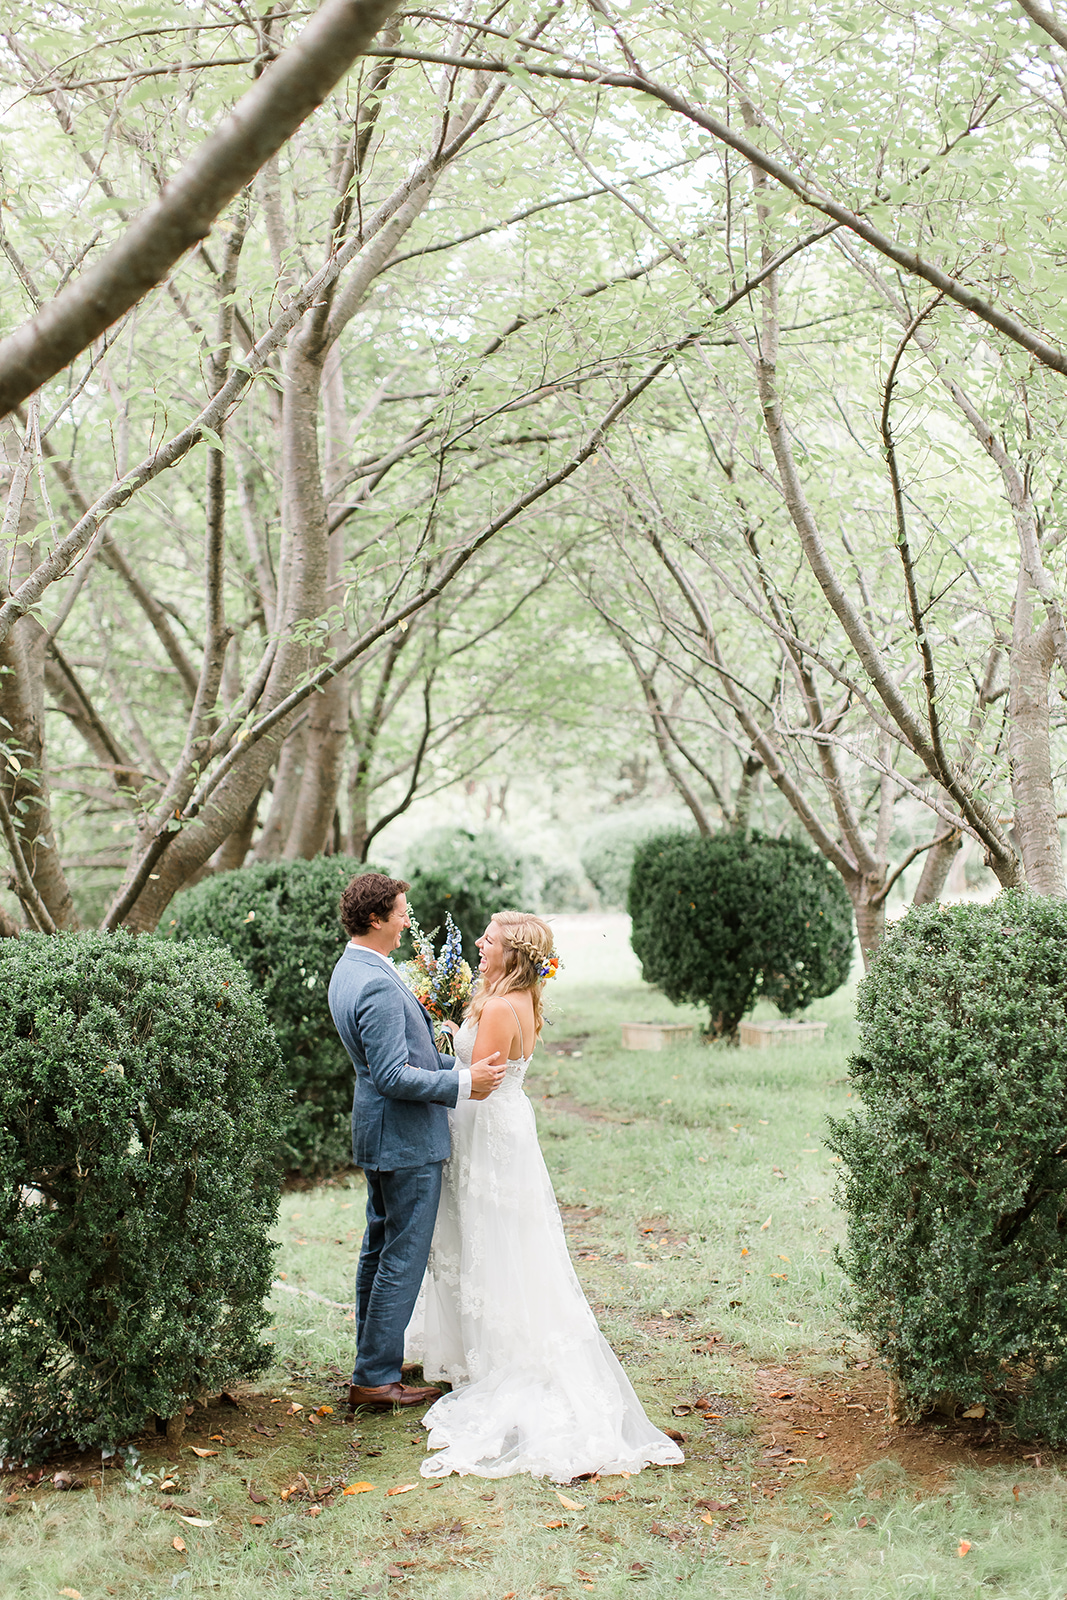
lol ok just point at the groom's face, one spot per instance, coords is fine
(396, 921)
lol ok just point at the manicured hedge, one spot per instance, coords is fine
(280, 919)
(139, 1106)
(722, 921)
(955, 1165)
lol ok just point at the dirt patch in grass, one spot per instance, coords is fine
(840, 1424)
(553, 1103)
(657, 1231)
(566, 1047)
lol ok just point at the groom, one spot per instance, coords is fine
(399, 1129)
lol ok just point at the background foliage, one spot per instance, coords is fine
(469, 875)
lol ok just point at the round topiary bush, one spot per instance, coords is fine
(469, 875)
(281, 920)
(138, 1182)
(955, 1168)
(722, 921)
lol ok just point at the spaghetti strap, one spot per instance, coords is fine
(518, 1019)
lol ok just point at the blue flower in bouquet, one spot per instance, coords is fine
(441, 981)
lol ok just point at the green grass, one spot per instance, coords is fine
(722, 1151)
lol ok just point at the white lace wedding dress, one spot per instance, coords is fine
(502, 1317)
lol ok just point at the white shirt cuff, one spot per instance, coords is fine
(464, 1084)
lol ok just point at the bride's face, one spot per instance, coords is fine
(493, 951)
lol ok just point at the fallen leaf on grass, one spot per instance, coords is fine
(313, 1418)
(712, 1416)
(257, 1499)
(402, 1488)
(179, 1544)
(672, 1433)
(358, 1488)
(199, 1522)
(866, 1522)
(313, 1511)
(963, 1549)
(682, 1411)
(569, 1505)
(168, 1483)
(557, 1523)
(707, 1517)
(218, 1438)
(72, 1594)
(324, 1411)
(197, 1451)
(974, 1411)
(765, 1225)
(713, 1505)
(257, 1522)
(822, 1436)
(604, 1498)
(294, 1408)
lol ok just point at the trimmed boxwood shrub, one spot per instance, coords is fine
(281, 920)
(955, 1174)
(138, 1182)
(469, 875)
(724, 920)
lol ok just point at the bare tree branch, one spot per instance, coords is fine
(256, 129)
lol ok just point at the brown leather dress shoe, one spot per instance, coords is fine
(383, 1395)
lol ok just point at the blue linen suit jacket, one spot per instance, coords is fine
(403, 1083)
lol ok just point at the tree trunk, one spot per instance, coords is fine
(1036, 827)
(939, 859)
(868, 906)
(284, 792)
(233, 851)
(25, 789)
(327, 726)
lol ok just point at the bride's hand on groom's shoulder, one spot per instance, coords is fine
(486, 1075)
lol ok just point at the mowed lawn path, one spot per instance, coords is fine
(698, 1198)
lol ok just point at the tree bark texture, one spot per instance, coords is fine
(255, 130)
(1036, 827)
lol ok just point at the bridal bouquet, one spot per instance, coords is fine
(442, 982)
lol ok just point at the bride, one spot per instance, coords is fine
(501, 1315)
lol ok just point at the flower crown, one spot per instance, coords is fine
(545, 966)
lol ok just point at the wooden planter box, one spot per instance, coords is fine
(655, 1035)
(761, 1035)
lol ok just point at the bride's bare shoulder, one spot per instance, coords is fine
(501, 1004)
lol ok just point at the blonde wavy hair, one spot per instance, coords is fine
(527, 946)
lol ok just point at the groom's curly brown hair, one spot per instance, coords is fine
(372, 894)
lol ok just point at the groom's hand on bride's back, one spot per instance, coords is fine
(486, 1076)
